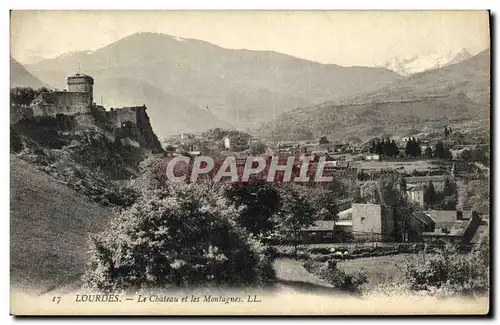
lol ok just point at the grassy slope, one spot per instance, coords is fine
(378, 269)
(49, 226)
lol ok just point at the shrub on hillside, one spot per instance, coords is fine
(16, 143)
(449, 269)
(329, 272)
(187, 239)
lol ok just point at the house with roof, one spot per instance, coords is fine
(415, 193)
(414, 225)
(437, 180)
(452, 227)
(372, 222)
(321, 231)
(327, 231)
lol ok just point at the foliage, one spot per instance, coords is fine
(430, 195)
(96, 151)
(323, 140)
(477, 154)
(260, 200)
(442, 151)
(329, 272)
(16, 142)
(92, 183)
(448, 268)
(25, 95)
(413, 148)
(188, 239)
(46, 130)
(428, 152)
(384, 147)
(370, 193)
(296, 211)
(257, 147)
(474, 195)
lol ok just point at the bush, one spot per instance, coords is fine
(16, 143)
(186, 240)
(329, 272)
(449, 269)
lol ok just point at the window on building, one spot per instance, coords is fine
(362, 219)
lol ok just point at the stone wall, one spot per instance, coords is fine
(62, 102)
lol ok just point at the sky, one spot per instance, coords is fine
(340, 37)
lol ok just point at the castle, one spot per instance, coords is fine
(79, 99)
(78, 102)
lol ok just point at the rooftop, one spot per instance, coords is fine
(434, 178)
(321, 225)
(80, 75)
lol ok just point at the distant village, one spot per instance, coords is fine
(423, 160)
(440, 158)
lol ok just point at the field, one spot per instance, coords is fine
(379, 269)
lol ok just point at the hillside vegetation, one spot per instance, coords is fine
(49, 227)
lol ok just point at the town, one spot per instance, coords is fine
(429, 164)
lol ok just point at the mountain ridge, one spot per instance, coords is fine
(452, 94)
(408, 65)
(239, 86)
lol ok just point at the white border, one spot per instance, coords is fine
(191, 5)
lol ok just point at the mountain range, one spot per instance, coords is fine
(20, 77)
(455, 93)
(193, 85)
(189, 84)
(409, 65)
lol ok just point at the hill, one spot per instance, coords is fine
(457, 93)
(20, 77)
(241, 87)
(49, 227)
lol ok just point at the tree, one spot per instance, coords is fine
(22, 95)
(259, 201)
(257, 147)
(474, 195)
(296, 211)
(428, 152)
(448, 199)
(413, 148)
(323, 140)
(16, 143)
(326, 205)
(441, 151)
(446, 132)
(403, 186)
(430, 195)
(370, 193)
(188, 239)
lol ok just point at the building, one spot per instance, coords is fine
(77, 99)
(437, 180)
(416, 224)
(327, 231)
(372, 222)
(415, 193)
(372, 157)
(321, 231)
(452, 227)
(227, 143)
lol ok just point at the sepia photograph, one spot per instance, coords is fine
(266, 163)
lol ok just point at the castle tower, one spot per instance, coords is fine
(82, 83)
